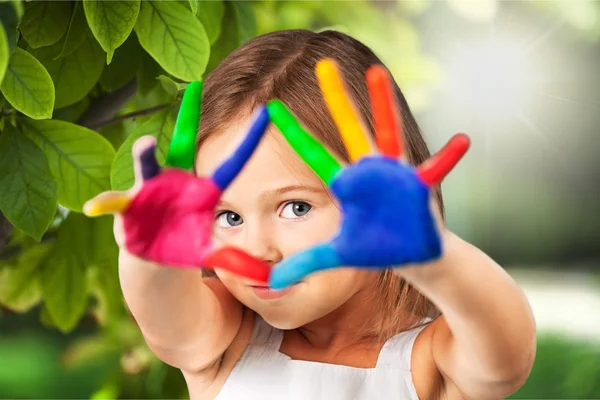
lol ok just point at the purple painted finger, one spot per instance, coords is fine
(149, 164)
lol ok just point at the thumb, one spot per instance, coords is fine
(293, 269)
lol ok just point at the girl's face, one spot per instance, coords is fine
(274, 208)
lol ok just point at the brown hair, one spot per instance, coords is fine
(280, 65)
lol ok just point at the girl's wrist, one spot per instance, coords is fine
(434, 269)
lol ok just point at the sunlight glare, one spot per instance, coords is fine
(494, 77)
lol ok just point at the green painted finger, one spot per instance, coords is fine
(308, 148)
(183, 143)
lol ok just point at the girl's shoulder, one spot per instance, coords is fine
(428, 381)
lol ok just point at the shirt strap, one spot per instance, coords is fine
(265, 340)
(397, 350)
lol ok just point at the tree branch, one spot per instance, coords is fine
(101, 124)
(5, 231)
(104, 108)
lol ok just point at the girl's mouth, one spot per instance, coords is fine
(267, 293)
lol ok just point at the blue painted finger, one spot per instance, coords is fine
(227, 172)
(294, 268)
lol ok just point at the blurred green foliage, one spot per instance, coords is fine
(564, 369)
(43, 365)
(79, 81)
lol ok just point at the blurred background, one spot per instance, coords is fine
(520, 77)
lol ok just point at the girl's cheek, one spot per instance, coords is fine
(227, 236)
(298, 235)
(229, 280)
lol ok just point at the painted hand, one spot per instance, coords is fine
(387, 216)
(168, 216)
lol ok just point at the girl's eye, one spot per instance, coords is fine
(295, 209)
(227, 219)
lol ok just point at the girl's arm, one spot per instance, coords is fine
(188, 321)
(485, 342)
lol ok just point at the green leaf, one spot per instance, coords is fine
(27, 86)
(73, 112)
(63, 274)
(9, 19)
(20, 286)
(109, 390)
(147, 74)
(103, 276)
(160, 126)
(228, 40)
(75, 75)
(47, 53)
(115, 133)
(18, 6)
(27, 188)
(174, 37)
(4, 56)
(111, 22)
(210, 14)
(45, 22)
(194, 6)
(103, 249)
(104, 281)
(78, 29)
(171, 86)
(87, 350)
(123, 67)
(246, 20)
(157, 96)
(45, 318)
(79, 159)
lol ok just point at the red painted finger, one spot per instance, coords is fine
(437, 167)
(238, 262)
(388, 126)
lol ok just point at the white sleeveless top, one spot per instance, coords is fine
(263, 373)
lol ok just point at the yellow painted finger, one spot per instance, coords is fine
(342, 110)
(107, 203)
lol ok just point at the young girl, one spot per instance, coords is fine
(457, 327)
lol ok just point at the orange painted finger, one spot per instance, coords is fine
(434, 170)
(388, 124)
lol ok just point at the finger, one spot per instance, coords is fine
(149, 164)
(238, 262)
(107, 203)
(388, 126)
(314, 154)
(433, 171)
(225, 174)
(182, 148)
(342, 110)
(293, 269)
(145, 165)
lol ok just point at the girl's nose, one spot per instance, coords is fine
(260, 244)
